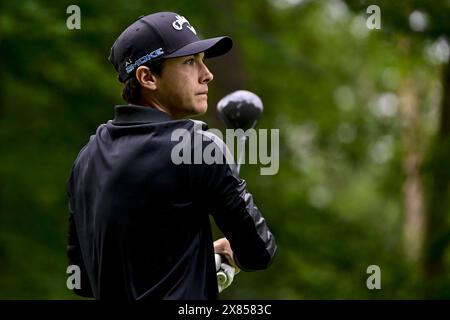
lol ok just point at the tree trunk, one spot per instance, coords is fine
(437, 173)
(413, 201)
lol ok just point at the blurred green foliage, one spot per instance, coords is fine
(327, 82)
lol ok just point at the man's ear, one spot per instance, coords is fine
(146, 78)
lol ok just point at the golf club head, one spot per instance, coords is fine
(240, 109)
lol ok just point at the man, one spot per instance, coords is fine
(139, 223)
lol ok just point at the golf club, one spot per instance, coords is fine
(240, 109)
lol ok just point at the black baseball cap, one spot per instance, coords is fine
(159, 36)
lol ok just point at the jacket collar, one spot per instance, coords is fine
(138, 114)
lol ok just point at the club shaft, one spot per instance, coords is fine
(241, 151)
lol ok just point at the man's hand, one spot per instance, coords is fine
(222, 247)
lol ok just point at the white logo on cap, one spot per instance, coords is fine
(178, 24)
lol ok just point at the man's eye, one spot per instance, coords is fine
(189, 61)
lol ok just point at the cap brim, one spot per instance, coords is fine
(212, 47)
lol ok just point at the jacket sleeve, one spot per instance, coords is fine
(74, 254)
(234, 210)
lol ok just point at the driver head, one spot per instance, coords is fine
(240, 109)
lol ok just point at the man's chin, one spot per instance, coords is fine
(191, 112)
(200, 110)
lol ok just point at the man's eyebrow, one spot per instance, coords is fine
(197, 55)
(192, 55)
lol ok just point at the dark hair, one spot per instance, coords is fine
(131, 91)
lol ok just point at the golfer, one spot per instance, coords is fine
(139, 223)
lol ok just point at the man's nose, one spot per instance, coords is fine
(206, 75)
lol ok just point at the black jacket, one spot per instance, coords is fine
(139, 223)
